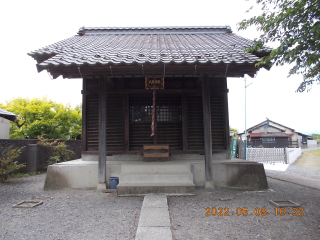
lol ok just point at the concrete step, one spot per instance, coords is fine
(156, 177)
(155, 167)
(131, 189)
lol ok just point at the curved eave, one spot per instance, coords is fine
(135, 63)
(173, 69)
(261, 53)
(41, 57)
(9, 117)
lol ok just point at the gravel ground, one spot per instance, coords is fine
(89, 214)
(65, 214)
(189, 220)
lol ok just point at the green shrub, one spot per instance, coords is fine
(55, 151)
(7, 164)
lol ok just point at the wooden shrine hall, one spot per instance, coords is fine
(155, 107)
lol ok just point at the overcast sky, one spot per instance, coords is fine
(29, 25)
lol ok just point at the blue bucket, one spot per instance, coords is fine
(114, 182)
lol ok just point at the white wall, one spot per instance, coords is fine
(300, 140)
(312, 143)
(4, 128)
(292, 154)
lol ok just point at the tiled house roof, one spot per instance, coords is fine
(7, 115)
(105, 46)
(271, 123)
(179, 46)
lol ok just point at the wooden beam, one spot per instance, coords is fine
(84, 117)
(102, 130)
(207, 132)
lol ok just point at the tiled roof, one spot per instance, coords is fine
(271, 123)
(7, 115)
(108, 46)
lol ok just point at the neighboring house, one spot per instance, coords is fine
(120, 67)
(270, 134)
(5, 118)
(306, 141)
(303, 138)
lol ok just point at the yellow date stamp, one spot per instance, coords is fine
(257, 212)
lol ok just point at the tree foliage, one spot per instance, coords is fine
(43, 117)
(295, 25)
(316, 137)
(235, 131)
(7, 164)
(55, 151)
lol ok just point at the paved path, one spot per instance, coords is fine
(302, 181)
(309, 149)
(305, 171)
(154, 221)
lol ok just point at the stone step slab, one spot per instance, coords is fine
(156, 178)
(154, 167)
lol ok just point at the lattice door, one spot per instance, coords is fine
(168, 121)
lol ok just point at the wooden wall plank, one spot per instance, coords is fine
(84, 117)
(186, 135)
(195, 122)
(184, 122)
(126, 121)
(226, 120)
(115, 122)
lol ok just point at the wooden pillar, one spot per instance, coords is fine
(184, 122)
(226, 119)
(207, 132)
(84, 116)
(126, 121)
(102, 133)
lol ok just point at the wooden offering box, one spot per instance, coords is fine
(155, 152)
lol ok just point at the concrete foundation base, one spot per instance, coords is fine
(226, 173)
(209, 185)
(72, 174)
(239, 174)
(102, 186)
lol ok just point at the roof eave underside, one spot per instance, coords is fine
(156, 70)
(7, 115)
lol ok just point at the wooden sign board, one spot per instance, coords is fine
(150, 81)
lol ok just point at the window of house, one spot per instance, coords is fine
(268, 139)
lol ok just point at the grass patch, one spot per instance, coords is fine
(21, 175)
(315, 152)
